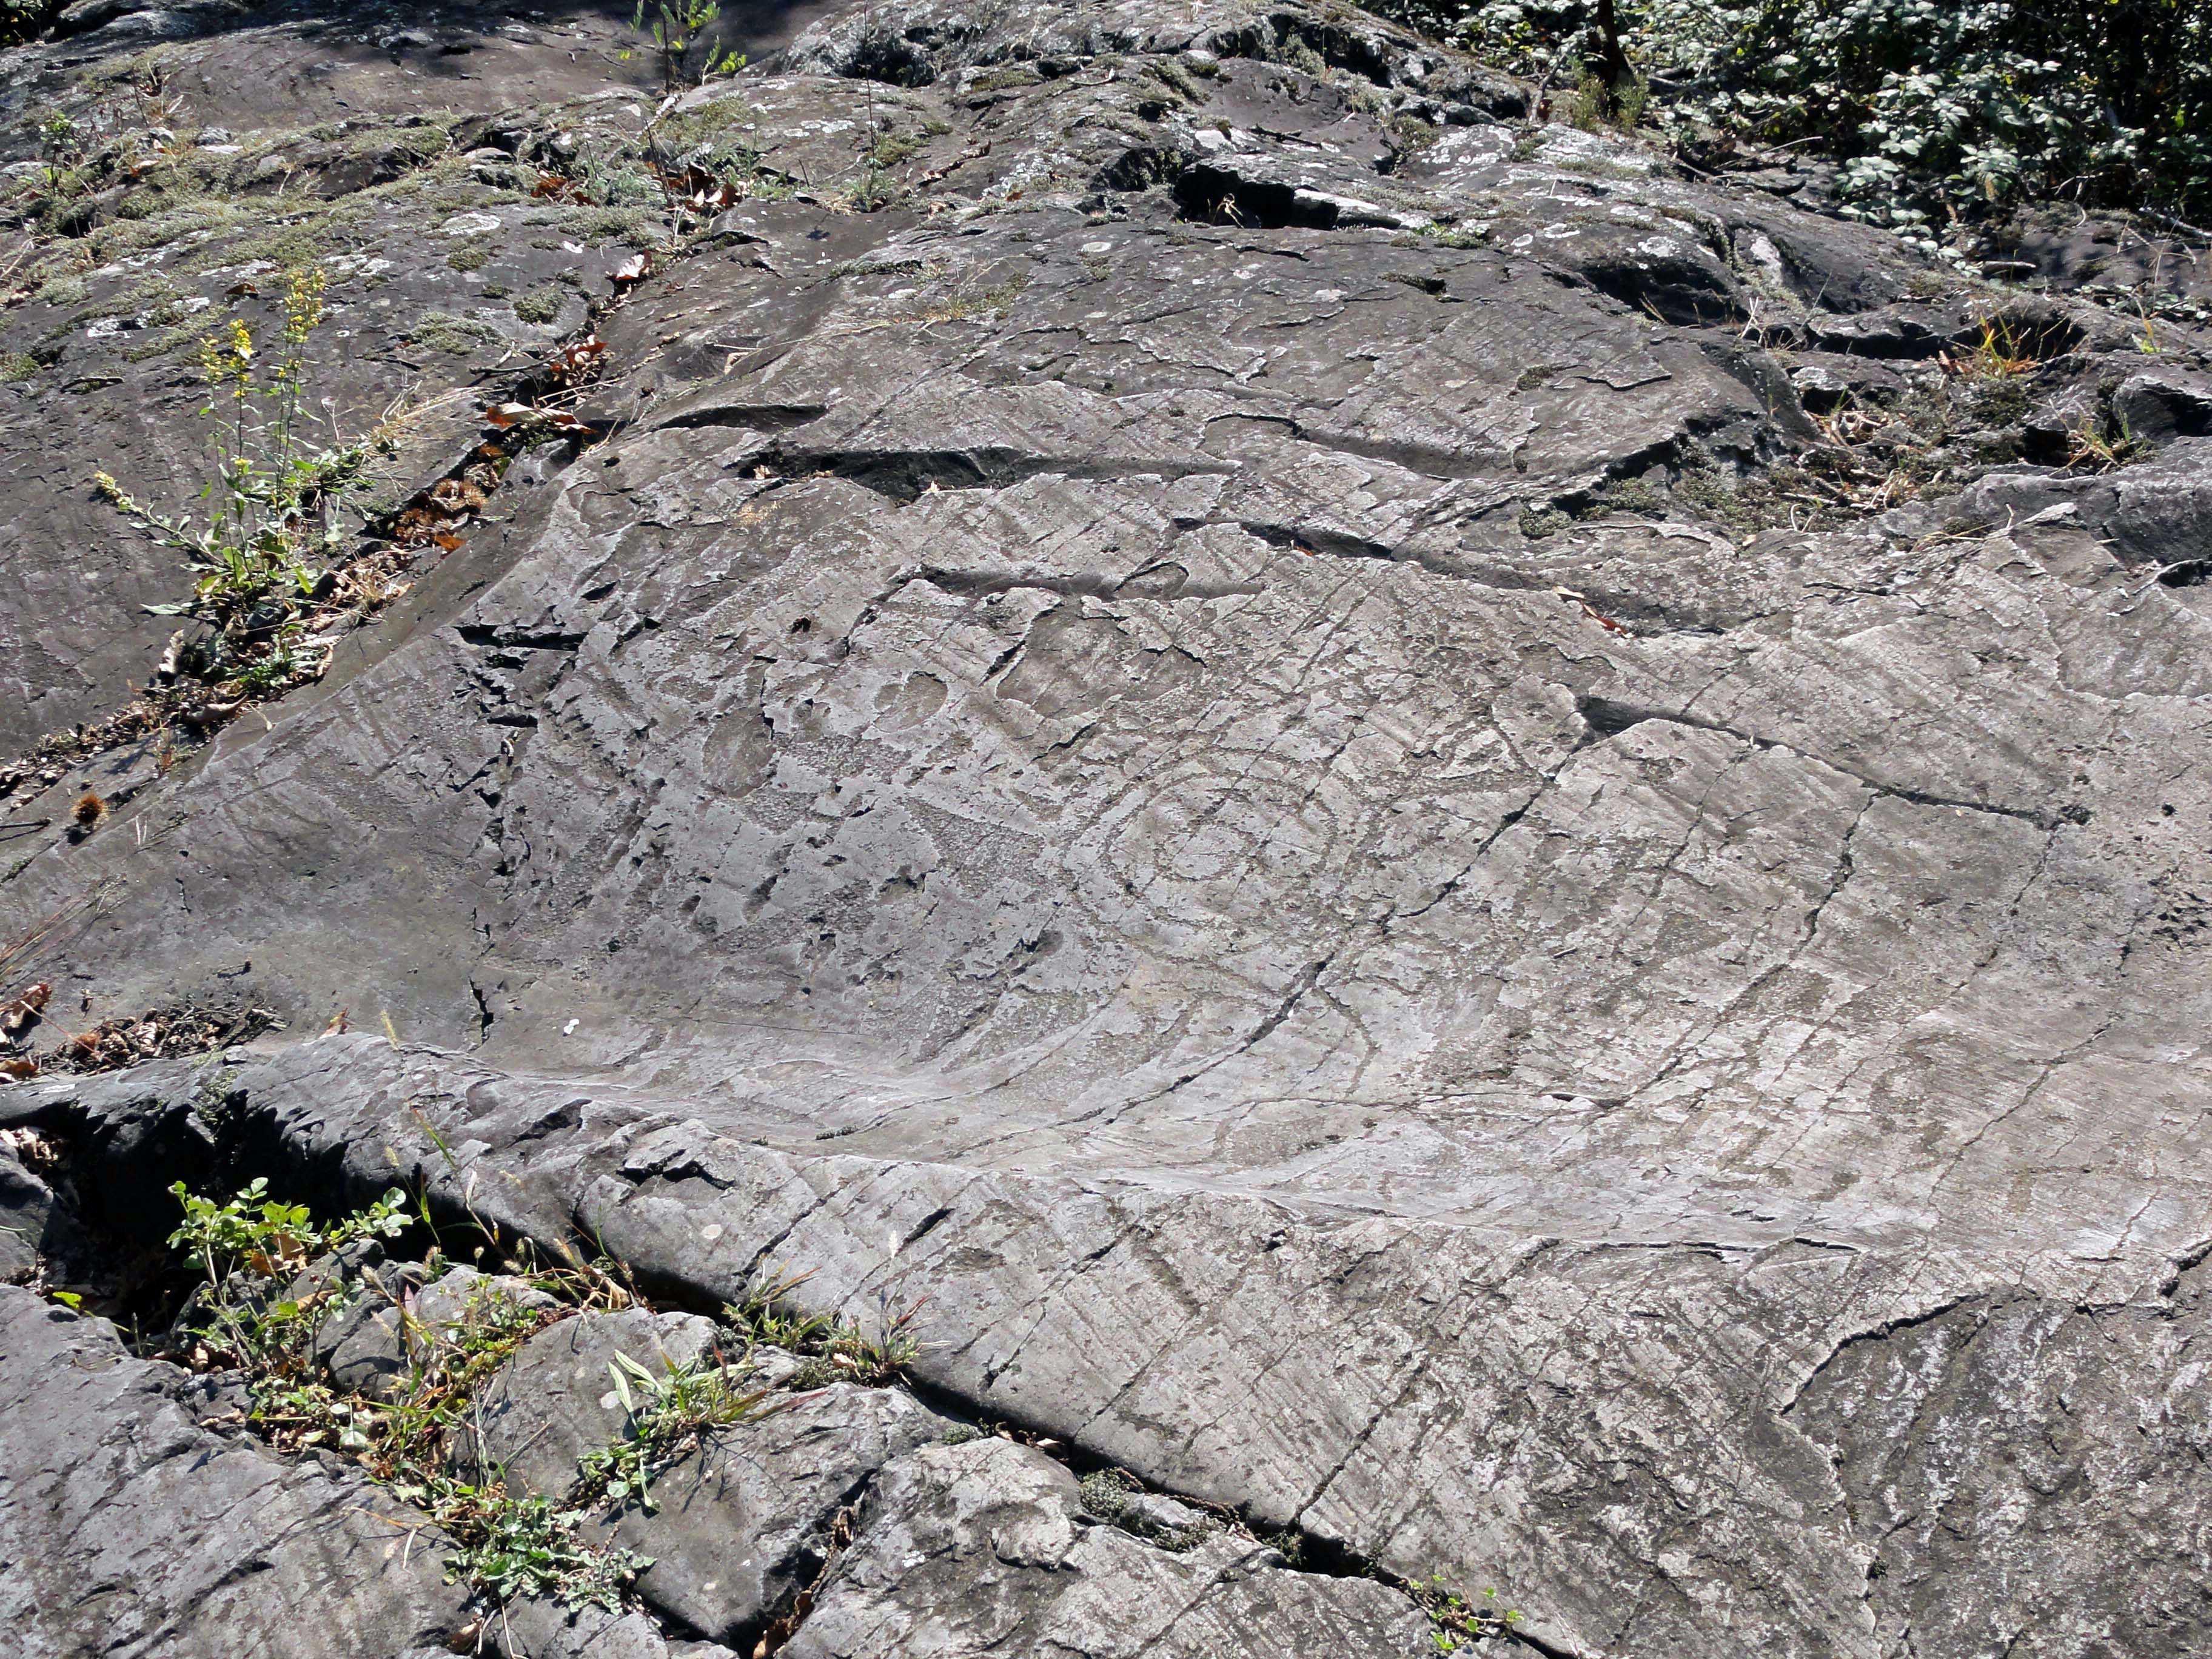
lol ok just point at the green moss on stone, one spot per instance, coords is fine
(540, 305)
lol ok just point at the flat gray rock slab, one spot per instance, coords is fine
(129, 1530)
(737, 1527)
(976, 1550)
(542, 1630)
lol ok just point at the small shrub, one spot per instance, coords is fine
(1933, 111)
(1455, 1621)
(682, 31)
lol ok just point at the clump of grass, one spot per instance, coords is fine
(836, 1351)
(1598, 104)
(663, 1417)
(1999, 353)
(2090, 449)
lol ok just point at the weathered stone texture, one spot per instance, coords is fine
(1219, 743)
(126, 1528)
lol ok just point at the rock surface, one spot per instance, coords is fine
(35, 1229)
(740, 1525)
(978, 1550)
(556, 1400)
(1449, 838)
(126, 1528)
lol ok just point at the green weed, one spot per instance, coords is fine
(680, 29)
(837, 1352)
(664, 1416)
(250, 1248)
(273, 496)
(1457, 1621)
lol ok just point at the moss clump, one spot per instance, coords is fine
(1105, 1493)
(470, 256)
(1006, 80)
(17, 366)
(169, 342)
(455, 336)
(630, 224)
(540, 305)
(893, 147)
(62, 291)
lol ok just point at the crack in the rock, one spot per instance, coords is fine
(1881, 1333)
(1608, 719)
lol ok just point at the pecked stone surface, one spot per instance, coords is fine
(1197, 743)
(127, 1528)
(1777, 1419)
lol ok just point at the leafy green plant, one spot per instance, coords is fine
(506, 1545)
(1934, 111)
(1457, 1621)
(273, 496)
(663, 1416)
(679, 28)
(269, 1236)
(527, 1547)
(266, 1242)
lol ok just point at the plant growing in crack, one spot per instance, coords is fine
(1456, 1620)
(262, 1306)
(836, 1350)
(528, 1547)
(274, 501)
(663, 1417)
